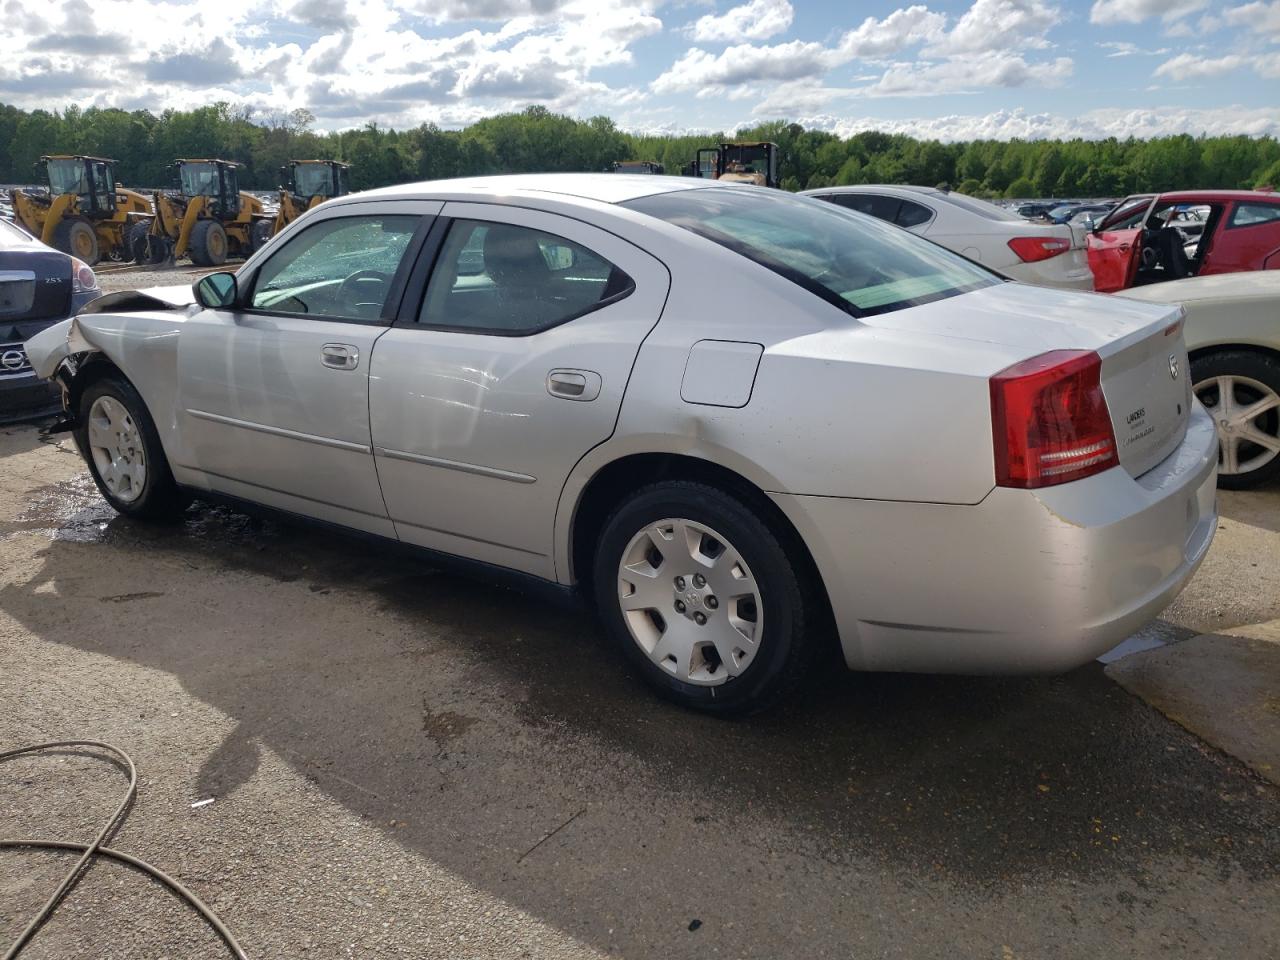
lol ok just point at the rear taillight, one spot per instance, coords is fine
(1031, 249)
(82, 277)
(1050, 421)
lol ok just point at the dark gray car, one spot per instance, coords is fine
(38, 287)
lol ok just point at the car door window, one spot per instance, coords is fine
(338, 269)
(1251, 214)
(509, 280)
(912, 214)
(882, 208)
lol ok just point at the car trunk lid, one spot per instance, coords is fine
(1144, 356)
(34, 285)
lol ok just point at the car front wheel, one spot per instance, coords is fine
(119, 442)
(704, 598)
(1241, 391)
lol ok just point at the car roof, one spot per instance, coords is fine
(877, 188)
(1205, 196)
(600, 187)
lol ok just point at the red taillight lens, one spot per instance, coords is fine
(82, 277)
(1031, 249)
(1050, 420)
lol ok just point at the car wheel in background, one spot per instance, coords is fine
(142, 246)
(119, 441)
(261, 234)
(1241, 391)
(75, 235)
(702, 596)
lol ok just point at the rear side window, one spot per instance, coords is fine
(912, 214)
(1252, 214)
(855, 263)
(880, 207)
(337, 269)
(503, 279)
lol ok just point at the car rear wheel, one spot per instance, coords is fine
(119, 442)
(702, 596)
(1241, 391)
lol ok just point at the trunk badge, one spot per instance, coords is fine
(1173, 365)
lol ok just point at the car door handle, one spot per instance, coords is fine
(340, 356)
(573, 384)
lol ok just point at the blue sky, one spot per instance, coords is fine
(953, 70)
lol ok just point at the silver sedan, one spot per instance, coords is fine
(749, 426)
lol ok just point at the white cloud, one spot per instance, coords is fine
(1121, 48)
(1258, 18)
(1135, 11)
(1092, 125)
(995, 25)
(968, 75)
(744, 64)
(757, 20)
(901, 29)
(1188, 66)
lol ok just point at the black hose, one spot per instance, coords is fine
(96, 849)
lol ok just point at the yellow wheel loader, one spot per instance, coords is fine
(86, 214)
(207, 218)
(307, 184)
(743, 162)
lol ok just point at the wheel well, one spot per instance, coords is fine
(1199, 352)
(92, 368)
(611, 485)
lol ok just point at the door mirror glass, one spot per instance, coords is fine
(1089, 223)
(217, 291)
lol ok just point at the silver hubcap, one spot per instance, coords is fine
(117, 449)
(1247, 415)
(690, 602)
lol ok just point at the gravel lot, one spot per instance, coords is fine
(409, 764)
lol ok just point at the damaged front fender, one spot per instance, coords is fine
(50, 347)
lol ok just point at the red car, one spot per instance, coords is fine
(1167, 236)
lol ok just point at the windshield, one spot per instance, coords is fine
(850, 260)
(199, 180)
(312, 180)
(67, 176)
(742, 159)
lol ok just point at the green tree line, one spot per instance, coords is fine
(536, 139)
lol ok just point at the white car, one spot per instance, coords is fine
(1233, 335)
(1046, 254)
(741, 421)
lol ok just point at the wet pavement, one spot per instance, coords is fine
(485, 752)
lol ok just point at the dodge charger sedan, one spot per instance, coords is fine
(747, 424)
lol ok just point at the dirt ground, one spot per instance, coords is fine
(405, 763)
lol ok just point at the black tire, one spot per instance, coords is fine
(794, 625)
(161, 500)
(260, 234)
(144, 248)
(1261, 368)
(76, 236)
(208, 244)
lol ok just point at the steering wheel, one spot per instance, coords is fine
(350, 287)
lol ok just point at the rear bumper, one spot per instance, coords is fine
(1027, 581)
(1070, 271)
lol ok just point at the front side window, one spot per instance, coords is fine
(1251, 214)
(503, 279)
(338, 269)
(855, 263)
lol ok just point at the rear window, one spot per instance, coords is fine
(980, 207)
(852, 261)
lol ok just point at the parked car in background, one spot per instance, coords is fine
(753, 486)
(1035, 209)
(1233, 335)
(1046, 254)
(1085, 214)
(1146, 238)
(38, 287)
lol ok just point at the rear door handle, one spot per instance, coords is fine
(340, 356)
(573, 384)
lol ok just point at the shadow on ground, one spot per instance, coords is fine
(479, 720)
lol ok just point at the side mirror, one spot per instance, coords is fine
(1089, 223)
(217, 291)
